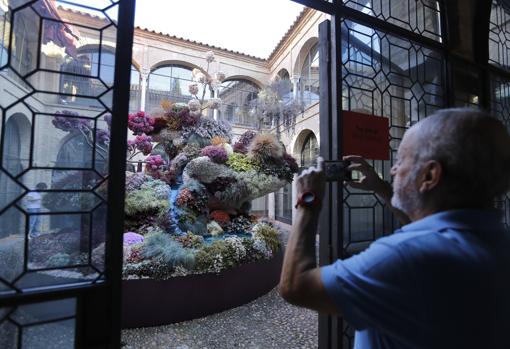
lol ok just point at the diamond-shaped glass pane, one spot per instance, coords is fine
(10, 190)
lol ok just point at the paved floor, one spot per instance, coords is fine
(267, 322)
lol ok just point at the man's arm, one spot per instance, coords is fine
(300, 282)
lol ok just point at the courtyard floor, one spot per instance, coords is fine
(267, 322)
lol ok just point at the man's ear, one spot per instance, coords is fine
(431, 175)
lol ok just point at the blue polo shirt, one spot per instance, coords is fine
(440, 282)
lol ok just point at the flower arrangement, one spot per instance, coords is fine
(216, 153)
(188, 210)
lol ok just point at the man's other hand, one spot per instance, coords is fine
(312, 180)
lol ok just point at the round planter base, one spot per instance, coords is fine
(149, 302)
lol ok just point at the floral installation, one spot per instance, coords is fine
(187, 206)
(275, 105)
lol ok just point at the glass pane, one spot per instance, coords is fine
(420, 16)
(170, 83)
(500, 89)
(499, 34)
(39, 325)
(389, 77)
(236, 102)
(56, 144)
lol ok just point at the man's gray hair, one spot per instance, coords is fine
(474, 151)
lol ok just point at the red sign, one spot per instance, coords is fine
(366, 135)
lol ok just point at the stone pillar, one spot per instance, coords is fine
(294, 198)
(295, 85)
(144, 76)
(271, 206)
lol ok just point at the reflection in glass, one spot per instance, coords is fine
(170, 83)
(39, 325)
(236, 96)
(309, 81)
(391, 77)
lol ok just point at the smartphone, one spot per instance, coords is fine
(336, 170)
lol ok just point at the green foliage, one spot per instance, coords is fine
(241, 163)
(158, 187)
(58, 260)
(154, 269)
(161, 246)
(269, 234)
(144, 202)
(190, 240)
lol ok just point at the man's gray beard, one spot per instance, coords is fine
(408, 203)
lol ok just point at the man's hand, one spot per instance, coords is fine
(312, 180)
(369, 180)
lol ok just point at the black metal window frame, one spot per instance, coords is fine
(332, 330)
(98, 305)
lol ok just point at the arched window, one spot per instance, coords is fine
(309, 151)
(284, 74)
(309, 82)
(93, 62)
(170, 82)
(9, 190)
(236, 97)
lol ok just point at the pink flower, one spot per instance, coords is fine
(142, 143)
(193, 89)
(216, 153)
(140, 123)
(155, 162)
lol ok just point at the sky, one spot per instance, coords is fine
(253, 27)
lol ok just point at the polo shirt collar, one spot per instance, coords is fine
(465, 219)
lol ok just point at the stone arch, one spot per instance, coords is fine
(303, 51)
(186, 64)
(300, 141)
(16, 146)
(259, 84)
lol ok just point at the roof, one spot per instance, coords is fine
(298, 19)
(303, 13)
(200, 43)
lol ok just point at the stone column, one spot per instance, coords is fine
(295, 85)
(144, 76)
(271, 206)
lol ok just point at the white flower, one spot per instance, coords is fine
(214, 103)
(200, 77)
(260, 245)
(220, 76)
(194, 105)
(196, 113)
(228, 148)
(195, 72)
(193, 89)
(209, 56)
(215, 84)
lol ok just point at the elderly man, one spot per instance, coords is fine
(441, 281)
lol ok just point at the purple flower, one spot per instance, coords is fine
(154, 162)
(140, 123)
(216, 153)
(141, 143)
(67, 121)
(102, 136)
(187, 119)
(131, 238)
